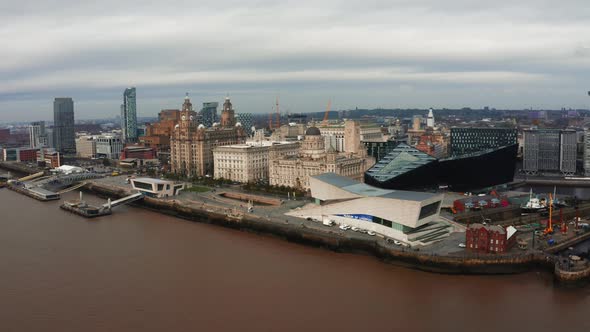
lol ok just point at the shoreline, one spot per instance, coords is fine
(467, 264)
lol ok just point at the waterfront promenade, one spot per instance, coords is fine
(444, 256)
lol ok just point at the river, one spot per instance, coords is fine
(137, 270)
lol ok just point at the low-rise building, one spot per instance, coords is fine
(50, 157)
(138, 152)
(19, 154)
(249, 162)
(489, 238)
(407, 216)
(86, 147)
(108, 146)
(157, 187)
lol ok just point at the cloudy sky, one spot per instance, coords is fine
(371, 53)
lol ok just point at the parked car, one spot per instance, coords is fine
(462, 245)
(371, 233)
(354, 228)
(397, 243)
(344, 227)
(328, 223)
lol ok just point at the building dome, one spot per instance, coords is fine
(312, 131)
(201, 126)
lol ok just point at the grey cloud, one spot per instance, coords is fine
(517, 53)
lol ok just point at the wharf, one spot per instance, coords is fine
(212, 208)
(441, 257)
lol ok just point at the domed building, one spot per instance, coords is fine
(313, 158)
(191, 144)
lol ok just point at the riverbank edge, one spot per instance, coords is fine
(483, 265)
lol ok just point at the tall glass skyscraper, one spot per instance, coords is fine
(247, 121)
(64, 136)
(208, 114)
(129, 116)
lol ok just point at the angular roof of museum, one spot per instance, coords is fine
(366, 190)
(403, 158)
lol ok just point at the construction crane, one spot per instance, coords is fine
(278, 114)
(325, 122)
(270, 121)
(549, 229)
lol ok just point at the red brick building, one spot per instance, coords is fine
(51, 157)
(27, 154)
(138, 152)
(486, 239)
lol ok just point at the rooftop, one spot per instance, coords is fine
(151, 180)
(401, 159)
(253, 144)
(366, 190)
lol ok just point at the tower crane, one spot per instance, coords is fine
(549, 229)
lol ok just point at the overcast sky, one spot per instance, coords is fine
(366, 54)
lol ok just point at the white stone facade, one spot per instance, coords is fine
(312, 159)
(249, 162)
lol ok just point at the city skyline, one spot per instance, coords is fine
(389, 54)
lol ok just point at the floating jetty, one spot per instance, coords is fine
(80, 207)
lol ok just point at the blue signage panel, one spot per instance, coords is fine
(364, 217)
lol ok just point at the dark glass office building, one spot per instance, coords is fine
(406, 168)
(208, 114)
(472, 140)
(378, 149)
(64, 135)
(129, 115)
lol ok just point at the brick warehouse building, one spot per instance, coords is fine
(486, 239)
(138, 152)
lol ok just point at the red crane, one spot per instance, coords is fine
(549, 229)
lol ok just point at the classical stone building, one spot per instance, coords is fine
(191, 145)
(249, 162)
(313, 159)
(338, 136)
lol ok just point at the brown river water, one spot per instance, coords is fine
(137, 270)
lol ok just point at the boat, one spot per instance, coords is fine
(534, 204)
(557, 203)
